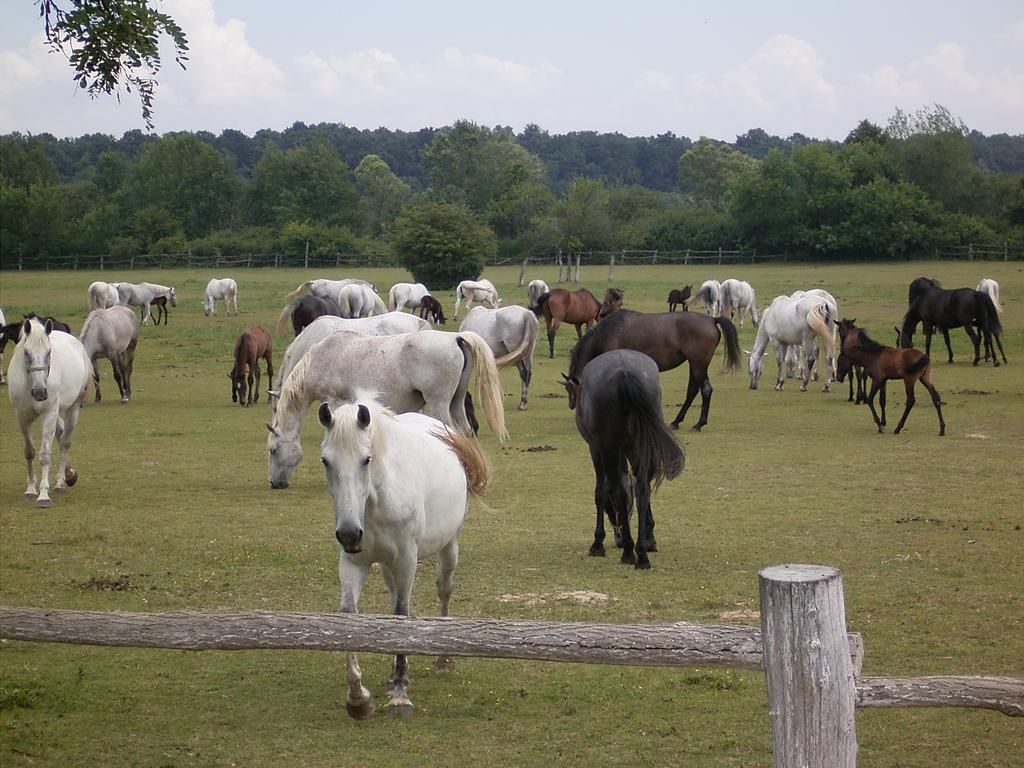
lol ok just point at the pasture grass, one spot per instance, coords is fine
(173, 512)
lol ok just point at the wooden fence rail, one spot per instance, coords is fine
(811, 662)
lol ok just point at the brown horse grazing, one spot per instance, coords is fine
(884, 363)
(158, 307)
(670, 339)
(431, 307)
(677, 297)
(562, 306)
(250, 347)
(612, 302)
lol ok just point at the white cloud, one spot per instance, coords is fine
(654, 80)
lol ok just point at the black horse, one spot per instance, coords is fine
(670, 339)
(959, 308)
(12, 331)
(304, 311)
(677, 297)
(618, 413)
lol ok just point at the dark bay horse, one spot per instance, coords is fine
(884, 363)
(253, 344)
(12, 331)
(304, 311)
(618, 413)
(430, 308)
(959, 308)
(677, 297)
(561, 306)
(612, 302)
(670, 339)
(847, 368)
(158, 307)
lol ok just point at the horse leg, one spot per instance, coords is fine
(881, 400)
(705, 402)
(402, 573)
(600, 504)
(553, 325)
(692, 388)
(146, 314)
(129, 365)
(911, 399)
(875, 386)
(250, 378)
(117, 366)
(66, 475)
(447, 559)
(926, 379)
(49, 428)
(999, 343)
(525, 374)
(359, 704)
(812, 358)
(619, 497)
(96, 381)
(30, 454)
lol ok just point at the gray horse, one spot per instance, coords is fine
(112, 333)
(511, 333)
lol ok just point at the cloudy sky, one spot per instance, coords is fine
(639, 68)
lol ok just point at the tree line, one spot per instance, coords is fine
(444, 199)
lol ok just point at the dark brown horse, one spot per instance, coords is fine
(304, 311)
(670, 339)
(561, 306)
(847, 368)
(964, 308)
(12, 331)
(250, 347)
(677, 297)
(613, 298)
(158, 307)
(431, 308)
(884, 363)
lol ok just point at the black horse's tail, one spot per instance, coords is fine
(655, 454)
(732, 343)
(541, 301)
(991, 313)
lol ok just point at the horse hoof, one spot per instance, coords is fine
(643, 565)
(30, 494)
(44, 503)
(360, 710)
(522, 406)
(675, 425)
(71, 477)
(597, 552)
(400, 709)
(628, 560)
(696, 427)
(124, 399)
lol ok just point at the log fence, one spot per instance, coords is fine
(811, 662)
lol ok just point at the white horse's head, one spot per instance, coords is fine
(284, 454)
(207, 304)
(347, 453)
(35, 349)
(756, 365)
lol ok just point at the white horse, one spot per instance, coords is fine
(220, 288)
(737, 297)
(112, 333)
(788, 322)
(535, 290)
(358, 300)
(327, 289)
(408, 371)
(48, 376)
(991, 287)
(476, 292)
(511, 333)
(799, 355)
(387, 324)
(400, 488)
(3, 374)
(103, 295)
(710, 294)
(142, 294)
(406, 296)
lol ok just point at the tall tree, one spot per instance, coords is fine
(383, 193)
(442, 243)
(310, 182)
(707, 171)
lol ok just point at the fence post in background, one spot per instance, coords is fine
(719, 254)
(522, 271)
(611, 266)
(1006, 250)
(306, 261)
(101, 262)
(753, 256)
(248, 262)
(970, 251)
(811, 685)
(686, 258)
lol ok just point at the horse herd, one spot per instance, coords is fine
(400, 481)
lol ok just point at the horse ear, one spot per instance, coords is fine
(746, 352)
(27, 327)
(565, 377)
(324, 415)
(272, 430)
(363, 416)
(48, 327)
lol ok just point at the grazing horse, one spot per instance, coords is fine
(112, 333)
(618, 414)
(920, 286)
(476, 292)
(254, 343)
(304, 311)
(991, 287)
(792, 321)
(103, 295)
(796, 356)
(400, 488)
(160, 304)
(710, 294)
(220, 288)
(47, 379)
(324, 288)
(406, 296)
(738, 298)
(612, 302)
(357, 300)
(679, 296)
(511, 333)
(408, 371)
(431, 307)
(945, 309)
(535, 290)
(670, 339)
(884, 363)
(847, 368)
(142, 295)
(387, 324)
(577, 307)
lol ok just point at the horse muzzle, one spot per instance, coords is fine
(350, 540)
(278, 484)
(39, 394)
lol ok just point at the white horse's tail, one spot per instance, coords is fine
(993, 292)
(304, 288)
(344, 304)
(818, 319)
(94, 302)
(284, 318)
(474, 462)
(392, 299)
(528, 342)
(487, 384)
(378, 304)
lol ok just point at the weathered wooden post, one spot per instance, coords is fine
(522, 271)
(305, 263)
(611, 265)
(970, 251)
(811, 685)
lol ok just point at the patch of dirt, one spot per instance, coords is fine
(538, 449)
(745, 615)
(579, 597)
(918, 519)
(971, 392)
(108, 583)
(976, 436)
(550, 395)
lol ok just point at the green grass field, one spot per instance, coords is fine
(173, 511)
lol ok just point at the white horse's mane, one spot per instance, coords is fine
(345, 429)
